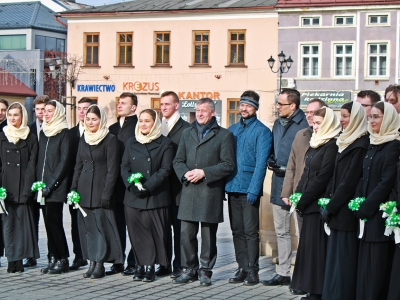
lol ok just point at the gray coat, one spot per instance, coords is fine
(215, 155)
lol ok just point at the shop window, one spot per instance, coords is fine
(237, 43)
(91, 51)
(162, 48)
(201, 49)
(156, 105)
(125, 48)
(233, 111)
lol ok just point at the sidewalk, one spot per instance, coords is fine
(33, 285)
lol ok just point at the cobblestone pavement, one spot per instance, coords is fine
(33, 285)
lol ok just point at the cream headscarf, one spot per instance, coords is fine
(155, 132)
(357, 127)
(57, 123)
(93, 138)
(15, 134)
(389, 128)
(329, 129)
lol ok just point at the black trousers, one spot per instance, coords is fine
(36, 216)
(189, 245)
(244, 221)
(75, 232)
(175, 247)
(121, 225)
(53, 221)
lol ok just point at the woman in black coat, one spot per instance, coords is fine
(378, 178)
(147, 209)
(309, 269)
(342, 253)
(96, 171)
(53, 169)
(18, 157)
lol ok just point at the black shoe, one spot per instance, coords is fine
(149, 276)
(163, 271)
(77, 263)
(129, 271)
(99, 271)
(205, 277)
(30, 262)
(252, 278)
(176, 273)
(19, 268)
(312, 297)
(239, 276)
(11, 267)
(296, 292)
(115, 269)
(139, 273)
(90, 270)
(62, 266)
(277, 280)
(188, 275)
(50, 266)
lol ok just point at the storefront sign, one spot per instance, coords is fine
(198, 95)
(335, 99)
(139, 86)
(187, 110)
(96, 88)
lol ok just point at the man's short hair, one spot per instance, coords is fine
(86, 100)
(395, 88)
(207, 100)
(374, 96)
(171, 93)
(251, 94)
(130, 95)
(42, 99)
(293, 96)
(4, 101)
(320, 102)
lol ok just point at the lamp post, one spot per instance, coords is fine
(284, 66)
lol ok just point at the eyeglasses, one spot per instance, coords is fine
(282, 104)
(366, 105)
(374, 117)
(310, 112)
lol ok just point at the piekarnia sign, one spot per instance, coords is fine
(96, 88)
(335, 99)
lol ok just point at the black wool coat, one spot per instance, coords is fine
(376, 184)
(18, 166)
(175, 183)
(215, 155)
(96, 171)
(74, 138)
(154, 161)
(54, 166)
(348, 170)
(318, 171)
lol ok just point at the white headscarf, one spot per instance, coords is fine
(93, 138)
(57, 123)
(13, 133)
(389, 128)
(356, 128)
(155, 131)
(329, 129)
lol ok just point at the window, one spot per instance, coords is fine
(233, 111)
(343, 59)
(49, 43)
(125, 45)
(309, 60)
(156, 105)
(344, 21)
(92, 43)
(378, 20)
(13, 42)
(377, 58)
(162, 48)
(310, 21)
(201, 43)
(237, 42)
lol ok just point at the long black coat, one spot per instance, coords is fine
(74, 138)
(18, 166)
(378, 179)
(96, 171)
(175, 136)
(54, 164)
(215, 155)
(318, 171)
(348, 170)
(154, 161)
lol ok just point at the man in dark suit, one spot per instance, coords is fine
(124, 129)
(172, 126)
(3, 113)
(35, 127)
(75, 135)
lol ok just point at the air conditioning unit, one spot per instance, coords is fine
(288, 83)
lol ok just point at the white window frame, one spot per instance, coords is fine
(310, 17)
(368, 16)
(344, 17)
(334, 56)
(367, 59)
(301, 45)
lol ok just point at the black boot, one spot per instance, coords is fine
(139, 273)
(62, 266)
(150, 275)
(91, 269)
(11, 267)
(99, 271)
(50, 266)
(18, 266)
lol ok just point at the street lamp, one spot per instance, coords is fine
(284, 66)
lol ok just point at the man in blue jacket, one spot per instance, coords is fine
(244, 186)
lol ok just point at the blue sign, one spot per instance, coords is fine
(96, 88)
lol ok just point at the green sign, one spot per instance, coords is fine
(335, 99)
